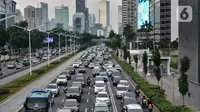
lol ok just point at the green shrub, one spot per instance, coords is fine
(39, 71)
(55, 62)
(4, 91)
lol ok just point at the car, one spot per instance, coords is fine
(73, 92)
(79, 61)
(104, 75)
(115, 73)
(71, 104)
(116, 80)
(118, 67)
(54, 88)
(11, 65)
(109, 68)
(44, 57)
(99, 87)
(76, 65)
(109, 72)
(101, 107)
(105, 66)
(61, 80)
(132, 108)
(125, 82)
(128, 94)
(79, 75)
(35, 60)
(85, 63)
(120, 90)
(91, 65)
(127, 101)
(80, 79)
(82, 69)
(26, 63)
(63, 110)
(77, 84)
(103, 97)
(96, 71)
(67, 74)
(19, 65)
(71, 69)
(110, 64)
(99, 78)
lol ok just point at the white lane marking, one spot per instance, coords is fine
(87, 100)
(88, 93)
(85, 109)
(112, 97)
(63, 100)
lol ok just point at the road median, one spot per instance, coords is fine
(9, 89)
(153, 92)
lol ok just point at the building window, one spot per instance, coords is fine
(33, 14)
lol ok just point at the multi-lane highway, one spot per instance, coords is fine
(88, 96)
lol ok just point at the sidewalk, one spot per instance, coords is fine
(167, 85)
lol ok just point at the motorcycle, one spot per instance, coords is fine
(144, 103)
(88, 82)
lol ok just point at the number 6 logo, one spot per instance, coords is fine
(184, 14)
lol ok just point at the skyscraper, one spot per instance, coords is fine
(18, 18)
(120, 28)
(62, 16)
(80, 6)
(79, 22)
(45, 17)
(104, 13)
(86, 20)
(33, 16)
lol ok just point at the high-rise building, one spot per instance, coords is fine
(129, 13)
(161, 18)
(93, 19)
(86, 20)
(189, 41)
(80, 6)
(33, 16)
(18, 18)
(79, 22)
(104, 13)
(120, 29)
(52, 23)
(8, 7)
(45, 17)
(62, 16)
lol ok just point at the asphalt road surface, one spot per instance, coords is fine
(26, 71)
(88, 96)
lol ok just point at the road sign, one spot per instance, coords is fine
(184, 14)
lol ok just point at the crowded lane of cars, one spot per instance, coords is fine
(96, 84)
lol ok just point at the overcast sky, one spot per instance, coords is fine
(91, 4)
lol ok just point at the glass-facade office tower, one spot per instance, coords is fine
(62, 16)
(104, 13)
(45, 17)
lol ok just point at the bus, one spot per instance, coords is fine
(39, 101)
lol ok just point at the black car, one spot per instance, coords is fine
(72, 105)
(67, 74)
(71, 70)
(26, 63)
(73, 93)
(115, 73)
(85, 63)
(116, 80)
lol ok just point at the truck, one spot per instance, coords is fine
(39, 101)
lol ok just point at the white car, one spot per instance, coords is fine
(109, 68)
(45, 57)
(125, 82)
(101, 107)
(62, 79)
(35, 60)
(11, 65)
(105, 66)
(91, 65)
(132, 108)
(54, 88)
(76, 65)
(79, 61)
(19, 65)
(109, 72)
(104, 75)
(103, 97)
(99, 87)
(120, 90)
(118, 67)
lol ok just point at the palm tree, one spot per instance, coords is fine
(147, 27)
(129, 33)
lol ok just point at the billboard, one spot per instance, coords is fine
(143, 12)
(46, 40)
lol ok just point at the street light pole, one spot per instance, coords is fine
(161, 67)
(70, 44)
(30, 54)
(48, 49)
(173, 88)
(59, 46)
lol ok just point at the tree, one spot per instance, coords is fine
(183, 80)
(145, 61)
(129, 34)
(157, 62)
(125, 53)
(112, 33)
(129, 56)
(136, 60)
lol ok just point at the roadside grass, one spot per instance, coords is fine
(174, 62)
(14, 86)
(153, 92)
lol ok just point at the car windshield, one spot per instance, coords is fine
(91, 63)
(100, 85)
(101, 109)
(61, 77)
(36, 103)
(79, 79)
(51, 86)
(102, 95)
(129, 94)
(103, 74)
(82, 67)
(135, 110)
(121, 88)
(72, 90)
(76, 84)
(129, 101)
(70, 103)
(99, 79)
(123, 82)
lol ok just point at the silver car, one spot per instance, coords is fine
(54, 88)
(120, 90)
